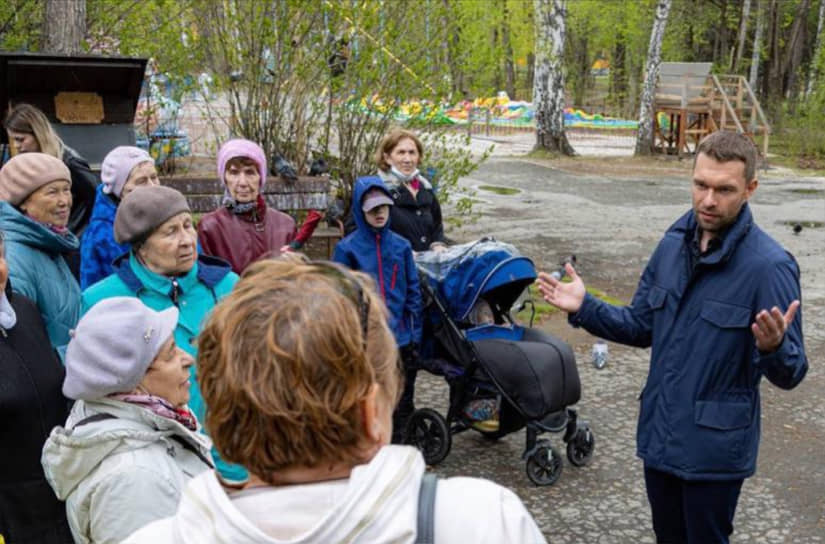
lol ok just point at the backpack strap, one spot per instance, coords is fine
(425, 533)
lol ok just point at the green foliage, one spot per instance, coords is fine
(20, 25)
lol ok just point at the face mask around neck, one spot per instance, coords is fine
(404, 178)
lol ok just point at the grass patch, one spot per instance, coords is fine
(544, 309)
(808, 191)
(499, 190)
(804, 224)
(601, 295)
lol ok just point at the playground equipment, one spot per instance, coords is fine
(690, 103)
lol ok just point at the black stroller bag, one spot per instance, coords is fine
(537, 373)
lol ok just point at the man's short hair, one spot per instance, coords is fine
(285, 360)
(726, 146)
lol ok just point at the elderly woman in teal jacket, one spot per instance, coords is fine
(36, 200)
(163, 269)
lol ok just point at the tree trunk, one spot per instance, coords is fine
(813, 71)
(509, 66)
(756, 55)
(64, 26)
(773, 78)
(452, 43)
(723, 33)
(743, 29)
(794, 48)
(618, 74)
(548, 87)
(644, 138)
(531, 70)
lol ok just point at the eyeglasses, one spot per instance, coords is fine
(351, 288)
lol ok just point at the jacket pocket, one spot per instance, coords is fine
(721, 438)
(722, 415)
(656, 297)
(726, 316)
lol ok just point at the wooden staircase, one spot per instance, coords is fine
(691, 103)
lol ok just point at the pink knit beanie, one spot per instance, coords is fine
(27, 172)
(117, 166)
(242, 148)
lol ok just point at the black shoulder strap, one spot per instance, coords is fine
(185, 444)
(92, 418)
(425, 533)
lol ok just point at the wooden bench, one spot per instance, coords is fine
(205, 194)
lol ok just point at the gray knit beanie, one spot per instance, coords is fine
(113, 345)
(145, 209)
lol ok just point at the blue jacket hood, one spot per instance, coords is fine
(19, 228)
(361, 187)
(105, 208)
(211, 270)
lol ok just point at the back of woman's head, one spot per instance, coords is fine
(28, 119)
(284, 364)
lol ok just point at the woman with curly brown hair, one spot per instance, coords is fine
(300, 375)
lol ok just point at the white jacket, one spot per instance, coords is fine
(117, 475)
(378, 503)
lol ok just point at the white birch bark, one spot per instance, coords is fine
(743, 29)
(756, 55)
(813, 72)
(548, 83)
(644, 137)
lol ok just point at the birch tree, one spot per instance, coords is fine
(757, 47)
(548, 83)
(64, 26)
(644, 138)
(813, 72)
(743, 27)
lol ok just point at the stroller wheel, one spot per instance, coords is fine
(580, 447)
(544, 465)
(427, 430)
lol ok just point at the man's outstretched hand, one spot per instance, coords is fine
(564, 296)
(770, 326)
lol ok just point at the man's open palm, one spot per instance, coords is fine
(564, 296)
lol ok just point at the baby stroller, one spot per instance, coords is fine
(531, 375)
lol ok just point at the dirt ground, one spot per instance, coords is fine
(610, 213)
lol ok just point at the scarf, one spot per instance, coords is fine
(253, 212)
(161, 407)
(57, 229)
(8, 317)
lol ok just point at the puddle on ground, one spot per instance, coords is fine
(499, 190)
(804, 224)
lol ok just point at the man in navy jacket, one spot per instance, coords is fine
(717, 302)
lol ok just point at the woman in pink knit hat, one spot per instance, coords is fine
(123, 170)
(244, 229)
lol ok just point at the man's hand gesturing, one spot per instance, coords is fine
(564, 296)
(770, 326)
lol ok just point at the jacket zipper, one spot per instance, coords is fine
(394, 275)
(380, 266)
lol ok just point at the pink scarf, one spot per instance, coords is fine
(57, 229)
(161, 407)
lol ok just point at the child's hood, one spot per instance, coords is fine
(361, 187)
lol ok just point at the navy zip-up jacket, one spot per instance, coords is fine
(699, 417)
(388, 258)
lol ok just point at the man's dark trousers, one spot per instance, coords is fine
(691, 512)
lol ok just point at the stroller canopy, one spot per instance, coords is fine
(485, 268)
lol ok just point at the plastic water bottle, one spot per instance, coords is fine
(600, 354)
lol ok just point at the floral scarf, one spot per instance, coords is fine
(161, 407)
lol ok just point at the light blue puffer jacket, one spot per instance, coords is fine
(38, 271)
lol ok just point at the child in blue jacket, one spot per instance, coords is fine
(375, 250)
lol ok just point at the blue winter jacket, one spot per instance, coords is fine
(700, 412)
(388, 258)
(98, 248)
(38, 271)
(194, 294)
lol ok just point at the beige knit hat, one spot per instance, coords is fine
(145, 209)
(27, 172)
